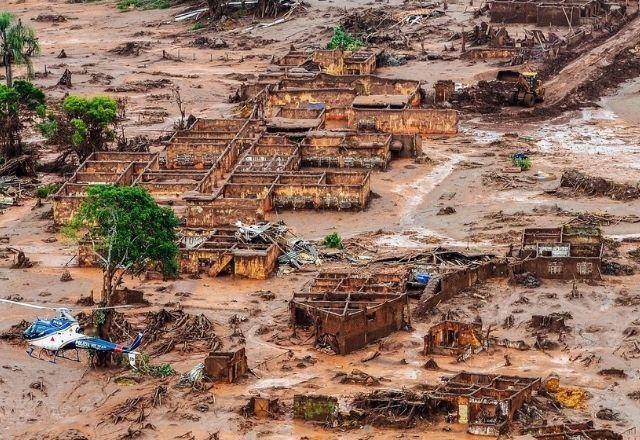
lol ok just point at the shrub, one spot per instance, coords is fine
(524, 163)
(123, 5)
(144, 366)
(48, 128)
(333, 240)
(30, 96)
(342, 39)
(44, 191)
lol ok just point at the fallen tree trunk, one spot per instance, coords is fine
(18, 165)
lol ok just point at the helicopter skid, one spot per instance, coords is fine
(53, 354)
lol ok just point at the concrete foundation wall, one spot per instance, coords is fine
(513, 12)
(224, 211)
(410, 121)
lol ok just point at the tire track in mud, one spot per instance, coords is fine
(416, 192)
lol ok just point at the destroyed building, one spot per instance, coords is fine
(487, 403)
(567, 252)
(225, 170)
(309, 142)
(570, 431)
(222, 250)
(346, 311)
(453, 338)
(334, 61)
(250, 251)
(547, 13)
(226, 366)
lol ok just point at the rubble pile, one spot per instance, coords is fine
(526, 279)
(367, 23)
(485, 97)
(598, 186)
(168, 330)
(131, 48)
(14, 333)
(295, 251)
(391, 407)
(617, 269)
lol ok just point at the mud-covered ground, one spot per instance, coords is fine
(465, 172)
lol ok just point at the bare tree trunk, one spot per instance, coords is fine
(215, 9)
(104, 359)
(107, 286)
(7, 67)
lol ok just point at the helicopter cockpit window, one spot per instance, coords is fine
(35, 329)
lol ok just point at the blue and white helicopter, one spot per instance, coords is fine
(62, 333)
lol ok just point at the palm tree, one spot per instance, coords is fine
(17, 44)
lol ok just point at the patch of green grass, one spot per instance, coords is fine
(197, 26)
(123, 5)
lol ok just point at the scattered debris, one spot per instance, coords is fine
(20, 260)
(141, 86)
(131, 48)
(616, 269)
(526, 279)
(448, 210)
(65, 79)
(358, 377)
(607, 414)
(209, 43)
(66, 276)
(50, 18)
(15, 333)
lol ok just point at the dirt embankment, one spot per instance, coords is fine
(596, 70)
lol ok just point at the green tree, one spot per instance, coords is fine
(128, 232)
(15, 102)
(18, 43)
(92, 122)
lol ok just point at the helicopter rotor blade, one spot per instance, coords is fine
(33, 306)
(103, 308)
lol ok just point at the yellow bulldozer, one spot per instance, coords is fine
(527, 89)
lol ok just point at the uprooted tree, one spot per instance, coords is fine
(128, 233)
(84, 124)
(18, 43)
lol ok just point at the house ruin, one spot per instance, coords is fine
(570, 431)
(226, 366)
(347, 311)
(453, 338)
(567, 252)
(546, 13)
(487, 403)
(221, 250)
(308, 139)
